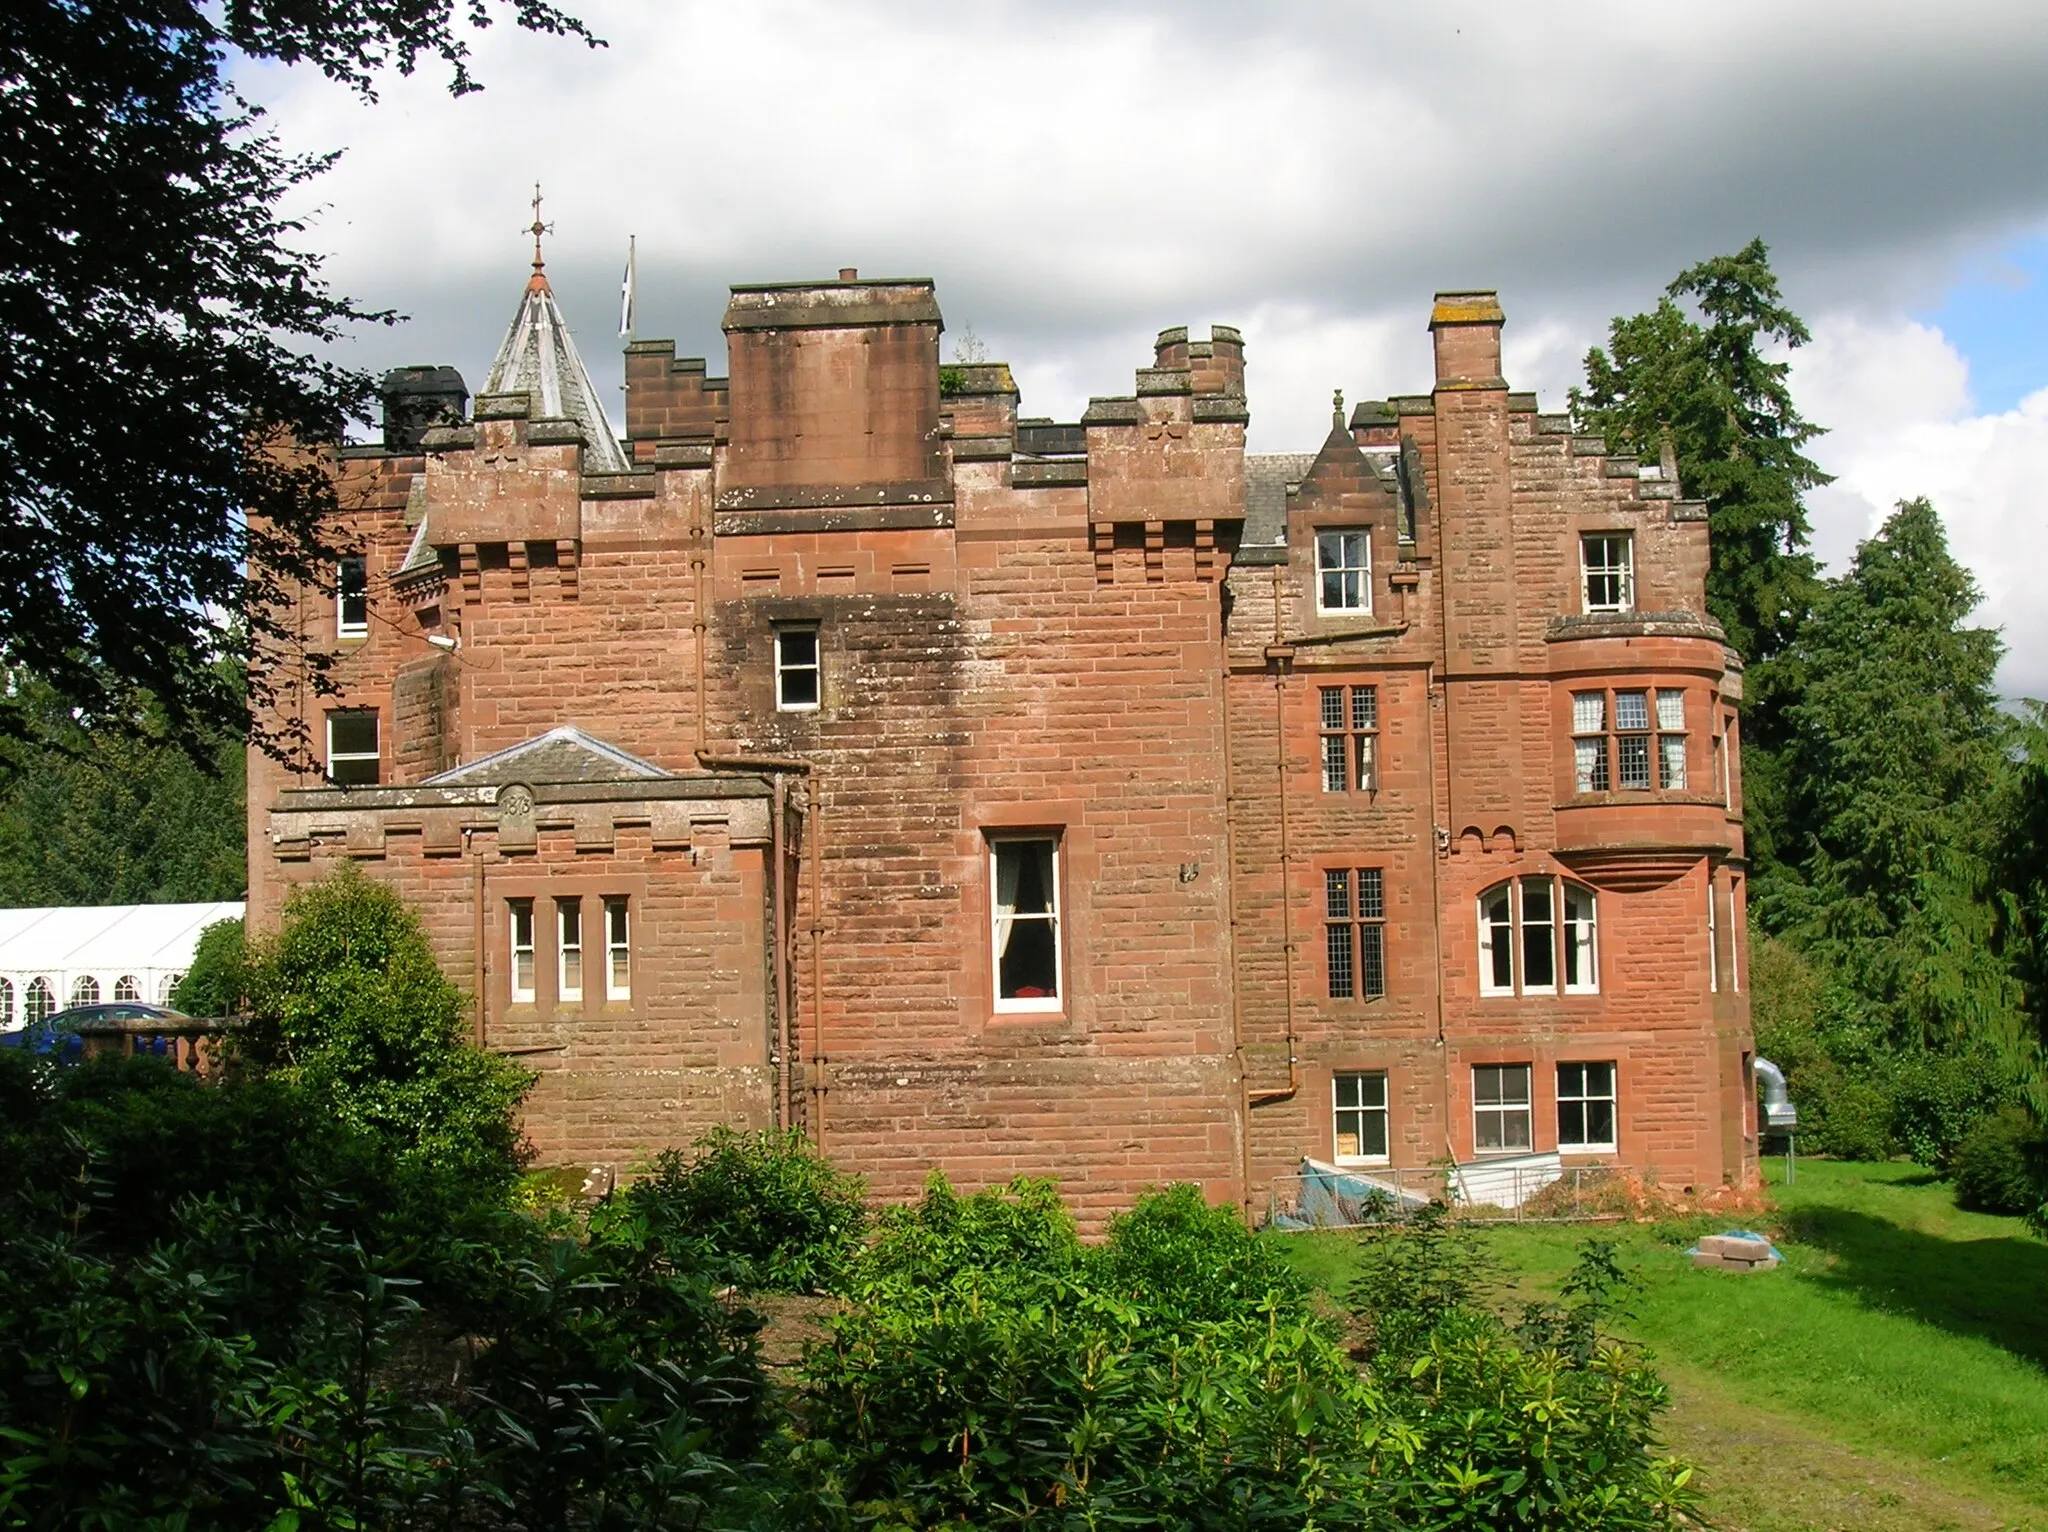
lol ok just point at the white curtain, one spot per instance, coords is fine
(1009, 872)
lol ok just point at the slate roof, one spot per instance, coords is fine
(539, 359)
(566, 754)
(1266, 479)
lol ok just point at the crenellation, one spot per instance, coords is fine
(814, 646)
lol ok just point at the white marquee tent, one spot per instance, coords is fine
(54, 958)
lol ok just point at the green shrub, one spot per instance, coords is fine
(998, 1234)
(990, 1375)
(218, 979)
(347, 1001)
(222, 1307)
(2000, 1164)
(1174, 1254)
(764, 1211)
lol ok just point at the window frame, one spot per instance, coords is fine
(354, 590)
(1585, 1098)
(785, 669)
(618, 949)
(85, 990)
(1504, 1109)
(1355, 736)
(1344, 569)
(1601, 750)
(569, 949)
(38, 1000)
(1363, 935)
(6, 1002)
(1363, 1110)
(1624, 572)
(519, 944)
(999, 935)
(1565, 929)
(374, 757)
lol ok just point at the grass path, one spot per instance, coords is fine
(1893, 1373)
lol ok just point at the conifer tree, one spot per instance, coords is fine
(1699, 378)
(1896, 769)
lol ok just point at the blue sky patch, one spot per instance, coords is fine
(1996, 315)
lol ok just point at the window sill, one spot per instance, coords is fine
(1355, 1162)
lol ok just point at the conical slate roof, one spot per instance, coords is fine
(539, 360)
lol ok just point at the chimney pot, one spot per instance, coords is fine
(848, 274)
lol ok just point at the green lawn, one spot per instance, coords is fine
(1894, 1372)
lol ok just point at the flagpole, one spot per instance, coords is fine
(628, 325)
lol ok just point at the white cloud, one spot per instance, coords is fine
(1079, 174)
(1897, 396)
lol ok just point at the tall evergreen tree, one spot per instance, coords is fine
(1728, 411)
(1896, 769)
(97, 810)
(1694, 372)
(2023, 903)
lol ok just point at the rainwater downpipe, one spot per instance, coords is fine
(777, 765)
(1281, 654)
(1244, 1076)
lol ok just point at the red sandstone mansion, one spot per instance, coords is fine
(1093, 800)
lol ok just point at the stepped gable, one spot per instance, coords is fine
(566, 754)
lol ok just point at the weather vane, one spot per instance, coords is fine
(537, 228)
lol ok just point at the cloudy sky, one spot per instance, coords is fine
(1077, 176)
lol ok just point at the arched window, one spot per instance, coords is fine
(127, 987)
(1535, 935)
(40, 1003)
(6, 1002)
(163, 990)
(85, 990)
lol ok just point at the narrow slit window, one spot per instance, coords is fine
(797, 688)
(1496, 942)
(569, 953)
(1025, 924)
(521, 911)
(1671, 740)
(618, 952)
(352, 598)
(1581, 957)
(1359, 1112)
(1589, 742)
(1632, 739)
(1539, 936)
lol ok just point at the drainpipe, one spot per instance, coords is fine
(1279, 655)
(796, 765)
(780, 922)
(1244, 1078)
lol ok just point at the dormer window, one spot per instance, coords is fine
(1608, 571)
(1344, 571)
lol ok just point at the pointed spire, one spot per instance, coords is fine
(539, 359)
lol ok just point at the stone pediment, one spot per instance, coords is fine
(566, 754)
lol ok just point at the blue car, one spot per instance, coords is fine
(58, 1035)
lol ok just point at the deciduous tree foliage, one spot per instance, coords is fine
(160, 322)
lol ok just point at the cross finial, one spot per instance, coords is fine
(537, 228)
